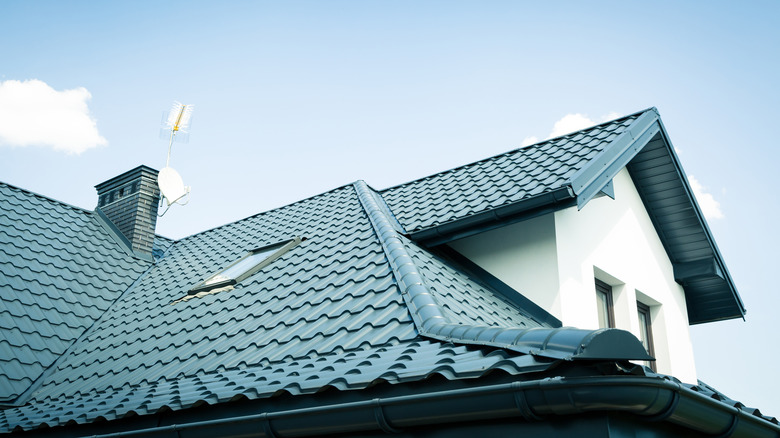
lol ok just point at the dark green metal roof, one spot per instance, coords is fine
(568, 171)
(335, 311)
(60, 270)
(357, 302)
(502, 180)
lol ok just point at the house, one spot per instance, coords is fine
(441, 307)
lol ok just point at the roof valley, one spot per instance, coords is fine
(432, 322)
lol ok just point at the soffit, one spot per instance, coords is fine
(710, 292)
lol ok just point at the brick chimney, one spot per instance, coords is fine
(130, 202)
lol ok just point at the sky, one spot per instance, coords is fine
(295, 98)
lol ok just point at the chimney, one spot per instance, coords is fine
(129, 201)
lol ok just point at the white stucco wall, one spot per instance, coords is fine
(554, 259)
(522, 255)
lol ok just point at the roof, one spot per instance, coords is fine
(498, 181)
(60, 270)
(293, 327)
(570, 170)
(360, 303)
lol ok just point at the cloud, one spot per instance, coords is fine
(529, 141)
(709, 206)
(34, 114)
(570, 123)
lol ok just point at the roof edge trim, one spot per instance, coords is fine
(493, 157)
(430, 320)
(589, 180)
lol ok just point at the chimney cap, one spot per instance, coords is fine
(126, 177)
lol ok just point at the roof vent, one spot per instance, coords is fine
(130, 201)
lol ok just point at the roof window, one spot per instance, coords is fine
(241, 269)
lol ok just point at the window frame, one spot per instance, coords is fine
(605, 290)
(644, 310)
(278, 249)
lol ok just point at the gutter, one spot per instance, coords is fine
(651, 399)
(583, 186)
(498, 217)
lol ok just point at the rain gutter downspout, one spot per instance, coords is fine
(651, 399)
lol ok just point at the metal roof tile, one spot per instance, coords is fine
(328, 313)
(41, 264)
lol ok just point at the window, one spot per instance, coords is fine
(244, 267)
(604, 302)
(645, 331)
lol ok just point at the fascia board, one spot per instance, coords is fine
(591, 179)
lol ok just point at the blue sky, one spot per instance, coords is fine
(296, 98)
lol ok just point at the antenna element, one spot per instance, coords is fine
(171, 185)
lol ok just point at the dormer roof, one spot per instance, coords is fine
(569, 171)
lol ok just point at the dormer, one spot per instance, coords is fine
(598, 228)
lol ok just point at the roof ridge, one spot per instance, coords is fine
(598, 125)
(46, 198)
(431, 321)
(511, 151)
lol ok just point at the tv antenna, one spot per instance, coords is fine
(171, 185)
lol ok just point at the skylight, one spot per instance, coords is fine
(245, 267)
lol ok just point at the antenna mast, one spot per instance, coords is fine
(171, 185)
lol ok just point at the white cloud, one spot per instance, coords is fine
(34, 114)
(570, 123)
(529, 141)
(709, 206)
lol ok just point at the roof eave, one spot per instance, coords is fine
(528, 208)
(650, 399)
(687, 271)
